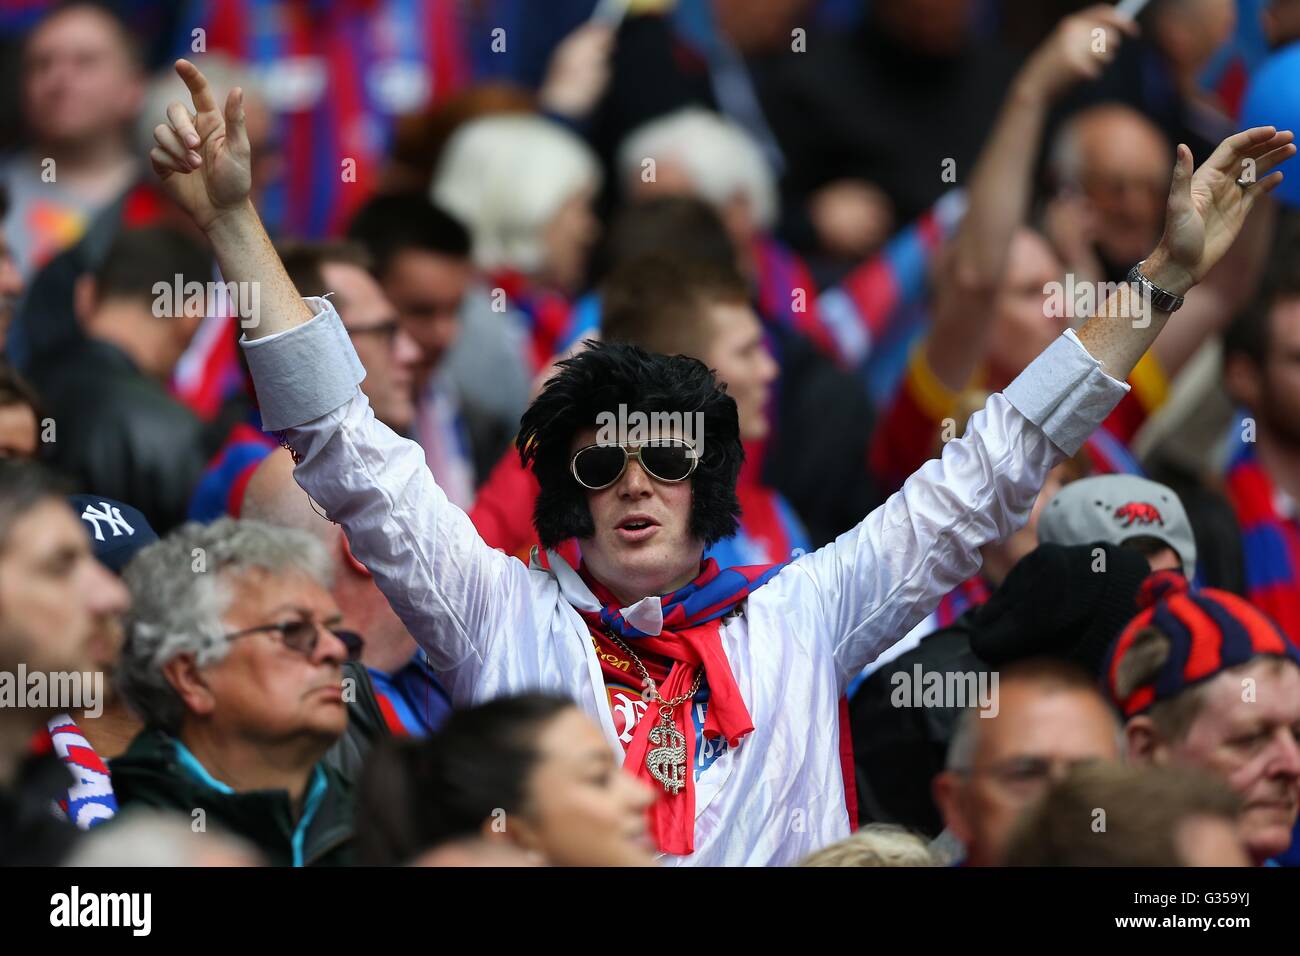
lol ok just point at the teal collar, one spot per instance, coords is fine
(315, 793)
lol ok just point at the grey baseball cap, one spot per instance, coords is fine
(1116, 508)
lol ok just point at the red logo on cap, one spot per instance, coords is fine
(1138, 512)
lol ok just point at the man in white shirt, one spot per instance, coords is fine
(791, 638)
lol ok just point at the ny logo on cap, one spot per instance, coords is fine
(109, 513)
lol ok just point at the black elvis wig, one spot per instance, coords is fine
(599, 379)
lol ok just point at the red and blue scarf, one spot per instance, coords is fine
(689, 639)
(89, 799)
(973, 592)
(546, 314)
(1271, 542)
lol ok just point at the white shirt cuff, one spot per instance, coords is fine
(1065, 393)
(304, 372)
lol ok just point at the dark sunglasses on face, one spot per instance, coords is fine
(596, 467)
(303, 636)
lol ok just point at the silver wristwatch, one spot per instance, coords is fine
(1162, 300)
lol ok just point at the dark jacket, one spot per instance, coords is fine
(30, 834)
(150, 773)
(815, 399)
(119, 434)
(366, 724)
(1050, 605)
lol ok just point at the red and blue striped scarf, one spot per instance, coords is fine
(972, 592)
(689, 639)
(1270, 541)
(90, 800)
(546, 314)
(366, 51)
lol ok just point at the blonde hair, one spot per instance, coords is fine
(505, 177)
(720, 157)
(876, 844)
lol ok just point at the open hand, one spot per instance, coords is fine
(203, 158)
(1207, 208)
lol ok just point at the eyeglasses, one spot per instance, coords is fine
(385, 331)
(596, 467)
(303, 636)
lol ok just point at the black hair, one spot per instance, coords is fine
(139, 259)
(600, 379)
(418, 794)
(388, 225)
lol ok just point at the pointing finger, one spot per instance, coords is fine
(198, 86)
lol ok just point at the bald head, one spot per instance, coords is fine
(274, 497)
(1121, 162)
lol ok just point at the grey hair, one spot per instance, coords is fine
(144, 836)
(180, 590)
(719, 155)
(505, 177)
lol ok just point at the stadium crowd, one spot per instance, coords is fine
(651, 432)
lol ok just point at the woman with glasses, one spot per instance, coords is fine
(234, 660)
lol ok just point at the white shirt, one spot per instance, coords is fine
(492, 626)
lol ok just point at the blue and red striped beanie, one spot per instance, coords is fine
(1208, 631)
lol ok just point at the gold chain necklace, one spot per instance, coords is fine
(666, 759)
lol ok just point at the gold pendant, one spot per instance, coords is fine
(666, 760)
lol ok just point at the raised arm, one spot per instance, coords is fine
(870, 586)
(203, 160)
(1206, 212)
(1001, 184)
(451, 590)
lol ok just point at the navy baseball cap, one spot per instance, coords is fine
(117, 531)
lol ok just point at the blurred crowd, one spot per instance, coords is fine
(866, 216)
